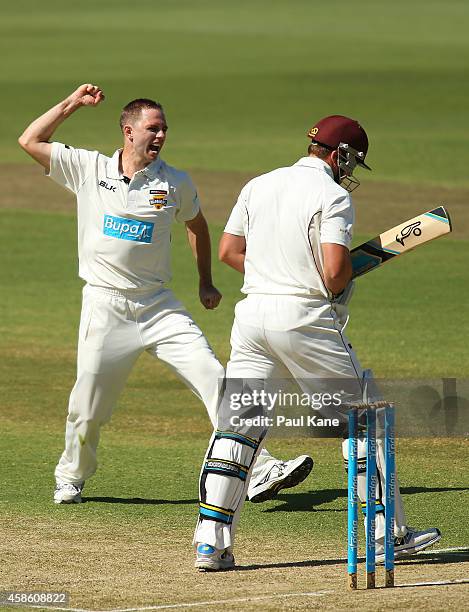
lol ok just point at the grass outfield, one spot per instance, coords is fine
(241, 83)
(41, 307)
(129, 544)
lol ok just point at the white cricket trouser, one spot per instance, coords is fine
(276, 336)
(115, 328)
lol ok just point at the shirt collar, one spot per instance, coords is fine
(152, 170)
(315, 162)
(112, 170)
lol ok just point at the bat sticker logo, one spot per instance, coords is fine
(406, 231)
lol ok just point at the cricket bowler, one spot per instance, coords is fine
(126, 205)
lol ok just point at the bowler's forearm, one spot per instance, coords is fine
(35, 138)
(42, 128)
(199, 241)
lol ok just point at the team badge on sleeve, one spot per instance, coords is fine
(158, 198)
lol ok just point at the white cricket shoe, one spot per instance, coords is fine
(413, 542)
(66, 493)
(211, 559)
(278, 475)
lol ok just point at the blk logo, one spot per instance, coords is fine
(106, 186)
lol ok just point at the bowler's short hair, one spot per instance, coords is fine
(132, 111)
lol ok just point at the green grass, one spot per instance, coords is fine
(242, 82)
(148, 478)
(396, 328)
(406, 318)
(143, 500)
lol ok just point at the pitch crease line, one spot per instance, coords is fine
(192, 604)
(432, 551)
(264, 597)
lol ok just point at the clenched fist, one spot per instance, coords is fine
(87, 95)
(209, 296)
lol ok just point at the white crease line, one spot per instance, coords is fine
(193, 604)
(432, 551)
(222, 601)
(312, 594)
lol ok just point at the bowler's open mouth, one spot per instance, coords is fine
(155, 148)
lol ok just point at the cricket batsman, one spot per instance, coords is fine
(289, 234)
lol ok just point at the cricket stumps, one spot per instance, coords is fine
(370, 505)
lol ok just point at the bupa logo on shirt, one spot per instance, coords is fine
(128, 229)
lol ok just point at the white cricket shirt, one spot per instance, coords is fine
(123, 227)
(284, 216)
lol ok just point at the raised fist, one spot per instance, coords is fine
(87, 95)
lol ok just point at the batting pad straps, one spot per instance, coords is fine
(224, 475)
(361, 469)
(236, 437)
(215, 513)
(379, 507)
(226, 468)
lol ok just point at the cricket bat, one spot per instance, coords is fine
(399, 240)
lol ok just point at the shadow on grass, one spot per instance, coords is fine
(290, 502)
(437, 557)
(298, 502)
(412, 490)
(301, 502)
(427, 558)
(138, 501)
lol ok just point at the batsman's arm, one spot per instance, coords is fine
(232, 251)
(199, 240)
(35, 138)
(337, 266)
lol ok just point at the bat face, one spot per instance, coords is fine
(400, 239)
(408, 230)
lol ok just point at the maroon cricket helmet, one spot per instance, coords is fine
(336, 129)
